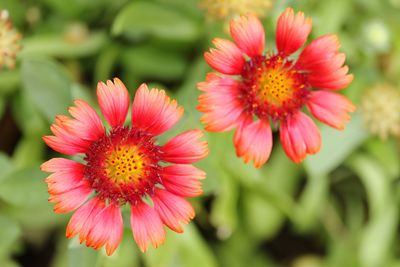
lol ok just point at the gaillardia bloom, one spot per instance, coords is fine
(124, 165)
(273, 87)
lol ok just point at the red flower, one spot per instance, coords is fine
(122, 165)
(273, 87)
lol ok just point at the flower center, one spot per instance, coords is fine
(275, 86)
(123, 165)
(272, 87)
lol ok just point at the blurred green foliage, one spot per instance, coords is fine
(339, 208)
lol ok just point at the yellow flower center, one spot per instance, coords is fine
(272, 87)
(122, 166)
(125, 164)
(275, 87)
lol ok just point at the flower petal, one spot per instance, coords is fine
(64, 141)
(183, 180)
(337, 79)
(153, 111)
(114, 101)
(61, 165)
(82, 220)
(318, 52)
(253, 141)
(299, 136)
(61, 182)
(185, 148)
(87, 124)
(248, 33)
(106, 229)
(226, 58)
(146, 226)
(324, 63)
(173, 210)
(292, 31)
(220, 103)
(70, 200)
(330, 108)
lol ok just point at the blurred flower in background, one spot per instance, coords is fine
(76, 33)
(9, 41)
(377, 36)
(380, 108)
(228, 9)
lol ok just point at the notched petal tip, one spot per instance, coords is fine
(154, 111)
(299, 137)
(225, 58)
(253, 141)
(113, 99)
(292, 31)
(248, 33)
(147, 226)
(330, 108)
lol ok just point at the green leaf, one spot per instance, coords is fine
(311, 202)
(378, 237)
(28, 118)
(105, 62)
(55, 45)
(193, 249)
(386, 153)
(8, 263)
(276, 180)
(246, 174)
(151, 61)
(375, 181)
(224, 207)
(142, 18)
(342, 253)
(280, 172)
(29, 151)
(26, 193)
(163, 256)
(79, 91)
(336, 146)
(81, 256)
(48, 86)
(60, 256)
(188, 93)
(187, 249)
(331, 15)
(262, 219)
(6, 166)
(24, 188)
(125, 255)
(241, 250)
(9, 234)
(190, 7)
(9, 80)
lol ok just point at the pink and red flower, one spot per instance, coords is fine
(256, 89)
(124, 165)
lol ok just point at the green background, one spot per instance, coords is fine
(338, 208)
